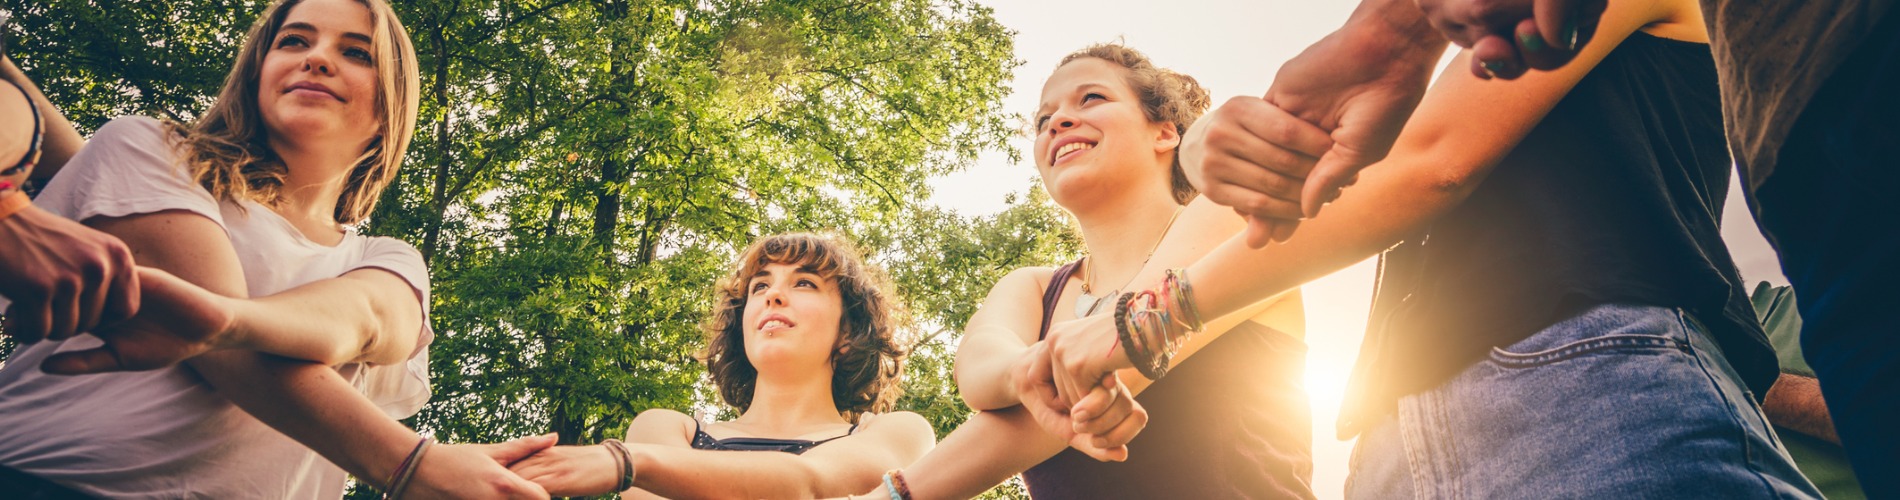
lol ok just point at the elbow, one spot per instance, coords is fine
(1451, 183)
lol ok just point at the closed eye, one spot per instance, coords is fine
(291, 41)
(359, 54)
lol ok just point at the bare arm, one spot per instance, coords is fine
(309, 402)
(366, 315)
(665, 465)
(1795, 402)
(997, 336)
(982, 453)
(62, 141)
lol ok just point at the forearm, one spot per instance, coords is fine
(61, 140)
(1795, 402)
(330, 322)
(980, 454)
(674, 472)
(1393, 201)
(1396, 27)
(314, 406)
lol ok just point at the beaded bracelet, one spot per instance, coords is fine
(895, 485)
(624, 460)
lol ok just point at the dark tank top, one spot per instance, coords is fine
(1614, 197)
(1230, 422)
(704, 441)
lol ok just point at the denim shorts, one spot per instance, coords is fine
(1619, 401)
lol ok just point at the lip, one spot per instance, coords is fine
(775, 317)
(313, 86)
(1059, 143)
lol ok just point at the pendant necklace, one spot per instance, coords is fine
(1088, 303)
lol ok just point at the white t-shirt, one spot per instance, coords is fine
(164, 433)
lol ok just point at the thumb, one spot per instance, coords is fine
(1334, 170)
(515, 450)
(97, 360)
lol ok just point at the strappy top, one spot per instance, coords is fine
(704, 441)
(1231, 422)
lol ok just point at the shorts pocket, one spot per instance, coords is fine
(1608, 344)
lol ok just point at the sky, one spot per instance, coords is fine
(1233, 48)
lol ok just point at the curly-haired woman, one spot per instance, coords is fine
(801, 344)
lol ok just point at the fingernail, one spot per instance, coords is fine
(1493, 67)
(1569, 34)
(1532, 42)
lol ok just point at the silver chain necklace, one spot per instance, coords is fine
(1087, 303)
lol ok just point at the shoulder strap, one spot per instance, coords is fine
(1053, 294)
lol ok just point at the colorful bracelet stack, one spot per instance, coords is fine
(895, 485)
(399, 480)
(1152, 324)
(623, 459)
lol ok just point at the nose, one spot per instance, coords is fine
(1059, 122)
(314, 61)
(773, 296)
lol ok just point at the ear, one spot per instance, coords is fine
(1166, 138)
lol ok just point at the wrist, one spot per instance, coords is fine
(644, 464)
(236, 332)
(1397, 27)
(13, 201)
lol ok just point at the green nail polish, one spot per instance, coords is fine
(1493, 67)
(1569, 35)
(1531, 43)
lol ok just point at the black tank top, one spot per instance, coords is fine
(1614, 197)
(1230, 422)
(704, 441)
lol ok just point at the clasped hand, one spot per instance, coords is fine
(1068, 383)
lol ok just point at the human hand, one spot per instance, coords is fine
(1509, 37)
(1037, 388)
(477, 470)
(1084, 351)
(63, 278)
(179, 320)
(1358, 85)
(1109, 415)
(1254, 157)
(568, 471)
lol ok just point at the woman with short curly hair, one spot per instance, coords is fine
(801, 343)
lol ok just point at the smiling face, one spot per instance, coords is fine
(1092, 135)
(792, 317)
(319, 79)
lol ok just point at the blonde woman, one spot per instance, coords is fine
(1232, 424)
(243, 217)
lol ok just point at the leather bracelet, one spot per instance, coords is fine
(624, 459)
(399, 481)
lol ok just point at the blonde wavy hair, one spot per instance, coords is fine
(225, 149)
